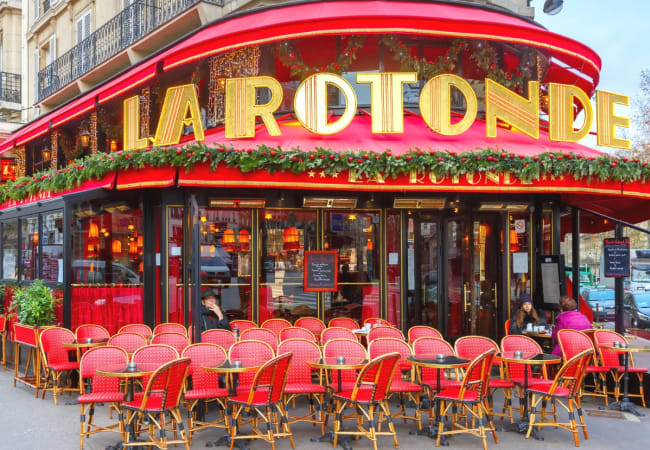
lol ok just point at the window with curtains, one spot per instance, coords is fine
(29, 248)
(107, 268)
(10, 250)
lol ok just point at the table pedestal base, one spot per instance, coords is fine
(623, 405)
(522, 428)
(224, 441)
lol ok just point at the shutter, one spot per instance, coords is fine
(87, 25)
(80, 30)
(37, 63)
(51, 51)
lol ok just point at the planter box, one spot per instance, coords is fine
(26, 334)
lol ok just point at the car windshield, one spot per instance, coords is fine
(642, 300)
(641, 274)
(602, 296)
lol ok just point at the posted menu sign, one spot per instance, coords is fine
(321, 271)
(617, 257)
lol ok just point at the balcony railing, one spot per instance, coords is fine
(9, 87)
(131, 24)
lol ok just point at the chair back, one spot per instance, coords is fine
(609, 358)
(296, 333)
(91, 331)
(573, 342)
(344, 322)
(472, 346)
(270, 379)
(276, 325)
(154, 354)
(376, 375)
(337, 333)
(477, 374)
(313, 324)
(351, 349)
(98, 358)
(303, 351)
(204, 355)
(128, 341)
(165, 386)
(572, 373)
(429, 348)
(250, 353)
(514, 342)
(52, 340)
(261, 334)
(419, 331)
(384, 346)
(139, 328)
(385, 332)
(376, 321)
(506, 327)
(170, 327)
(223, 338)
(242, 325)
(177, 340)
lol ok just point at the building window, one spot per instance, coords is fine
(10, 250)
(29, 247)
(52, 247)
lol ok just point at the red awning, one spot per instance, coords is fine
(146, 177)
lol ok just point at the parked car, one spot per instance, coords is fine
(214, 270)
(637, 304)
(602, 303)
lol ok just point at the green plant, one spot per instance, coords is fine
(34, 304)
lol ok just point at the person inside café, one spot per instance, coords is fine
(525, 315)
(212, 316)
(569, 317)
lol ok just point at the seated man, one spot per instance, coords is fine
(211, 314)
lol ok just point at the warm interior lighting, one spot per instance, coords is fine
(140, 241)
(85, 139)
(93, 231)
(352, 217)
(47, 154)
(130, 227)
(291, 239)
(113, 145)
(514, 241)
(244, 240)
(268, 216)
(228, 240)
(133, 248)
(35, 238)
(369, 245)
(117, 247)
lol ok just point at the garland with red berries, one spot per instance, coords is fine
(365, 163)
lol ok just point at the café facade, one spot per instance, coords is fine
(429, 147)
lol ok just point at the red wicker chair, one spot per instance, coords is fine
(154, 354)
(242, 325)
(139, 328)
(313, 324)
(276, 325)
(296, 333)
(337, 333)
(170, 328)
(222, 338)
(261, 334)
(177, 340)
(565, 388)
(264, 398)
(250, 353)
(56, 360)
(351, 350)
(96, 389)
(471, 400)
(472, 346)
(344, 322)
(205, 385)
(403, 388)
(299, 381)
(160, 398)
(573, 342)
(366, 397)
(385, 332)
(376, 321)
(128, 341)
(3, 340)
(506, 327)
(609, 359)
(91, 331)
(419, 331)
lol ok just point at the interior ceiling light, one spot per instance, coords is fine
(419, 203)
(338, 203)
(553, 7)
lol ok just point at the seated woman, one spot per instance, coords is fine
(569, 317)
(525, 315)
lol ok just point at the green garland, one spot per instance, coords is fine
(365, 163)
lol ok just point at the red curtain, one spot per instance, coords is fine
(109, 306)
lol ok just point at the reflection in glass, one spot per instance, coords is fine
(52, 248)
(29, 246)
(10, 250)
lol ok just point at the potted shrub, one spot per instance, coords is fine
(33, 305)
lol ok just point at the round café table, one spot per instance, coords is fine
(121, 371)
(625, 404)
(448, 362)
(85, 343)
(528, 359)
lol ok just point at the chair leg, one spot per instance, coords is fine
(581, 417)
(641, 391)
(572, 421)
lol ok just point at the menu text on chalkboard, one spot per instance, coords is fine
(617, 257)
(321, 271)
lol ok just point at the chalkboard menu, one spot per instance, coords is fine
(617, 257)
(321, 271)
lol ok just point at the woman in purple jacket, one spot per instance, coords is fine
(569, 317)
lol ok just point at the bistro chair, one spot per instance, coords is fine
(157, 354)
(276, 325)
(56, 360)
(385, 332)
(563, 391)
(313, 324)
(160, 398)
(261, 334)
(419, 331)
(296, 333)
(472, 346)
(299, 381)
(170, 327)
(348, 349)
(506, 327)
(251, 353)
(223, 338)
(471, 401)
(91, 331)
(403, 388)
(366, 398)
(204, 385)
(344, 322)
(97, 389)
(128, 341)
(573, 342)
(611, 360)
(139, 328)
(376, 321)
(264, 400)
(177, 340)
(3, 340)
(242, 325)
(337, 333)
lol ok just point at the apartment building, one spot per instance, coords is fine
(10, 70)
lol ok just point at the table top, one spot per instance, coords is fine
(122, 371)
(448, 362)
(538, 334)
(229, 367)
(631, 348)
(331, 362)
(85, 344)
(532, 358)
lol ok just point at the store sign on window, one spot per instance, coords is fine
(181, 109)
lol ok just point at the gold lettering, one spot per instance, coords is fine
(242, 109)
(354, 177)
(473, 178)
(435, 104)
(387, 99)
(502, 103)
(607, 121)
(132, 139)
(179, 100)
(311, 108)
(491, 176)
(561, 112)
(415, 177)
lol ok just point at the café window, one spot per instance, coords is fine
(29, 248)
(10, 250)
(52, 247)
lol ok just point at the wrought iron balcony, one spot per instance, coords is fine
(9, 87)
(131, 24)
